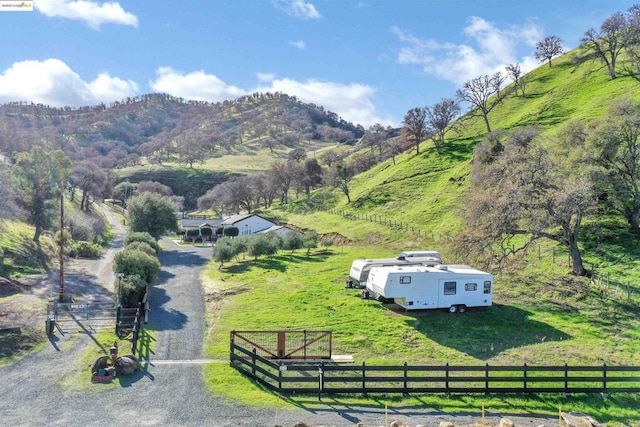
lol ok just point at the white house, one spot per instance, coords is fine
(247, 224)
(281, 230)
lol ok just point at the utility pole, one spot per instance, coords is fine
(61, 287)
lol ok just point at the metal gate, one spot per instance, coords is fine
(302, 345)
(83, 316)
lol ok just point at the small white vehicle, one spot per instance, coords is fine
(360, 268)
(454, 287)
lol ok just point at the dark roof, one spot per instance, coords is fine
(236, 218)
(199, 223)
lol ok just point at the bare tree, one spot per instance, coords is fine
(90, 179)
(414, 126)
(483, 93)
(548, 48)
(375, 136)
(606, 45)
(520, 79)
(340, 175)
(439, 120)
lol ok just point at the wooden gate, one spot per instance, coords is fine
(83, 316)
(301, 345)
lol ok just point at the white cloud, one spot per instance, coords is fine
(297, 8)
(299, 44)
(196, 85)
(491, 48)
(110, 88)
(266, 77)
(353, 102)
(94, 14)
(52, 82)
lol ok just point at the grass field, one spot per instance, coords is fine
(296, 291)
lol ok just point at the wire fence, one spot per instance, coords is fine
(604, 283)
(391, 223)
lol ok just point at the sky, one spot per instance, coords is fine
(369, 61)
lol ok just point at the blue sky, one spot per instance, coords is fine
(367, 60)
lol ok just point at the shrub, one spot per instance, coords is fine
(142, 246)
(310, 240)
(264, 244)
(131, 290)
(83, 249)
(145, 238)
(240, 245)
(292, 241)
(192, 235)
(84, 226)
(206, 233)
(131, 262)
(223, 251)
(231, 231)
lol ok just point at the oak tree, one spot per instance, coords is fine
(548, 48)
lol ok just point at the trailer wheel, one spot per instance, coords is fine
(453, 309)
(462, 308)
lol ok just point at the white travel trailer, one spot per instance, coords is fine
(420, 254)
(360, 268)
(454, 287)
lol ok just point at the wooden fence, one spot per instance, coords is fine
(324, 378)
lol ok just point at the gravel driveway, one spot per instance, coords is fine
(168, 393)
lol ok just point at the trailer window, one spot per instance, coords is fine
(470, 287)
(449, 288)
(405, 280)
(487, 287)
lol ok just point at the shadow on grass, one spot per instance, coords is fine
(483, 332)
(426, 405)
(276, 263)
(612, 408)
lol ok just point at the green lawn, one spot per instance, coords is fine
(307, 292)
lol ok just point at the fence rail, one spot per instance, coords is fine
(323, 378)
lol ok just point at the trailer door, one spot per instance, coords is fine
(449, 293)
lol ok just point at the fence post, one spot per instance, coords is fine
(566, 378)
(280, 367)
(486, 377)
(364, 378)
(320, 381)
(253, 360)
(628, 292)
(604, 377)
(231, 342)
(117, 319)
(405, 391)
(524, 371)
(446, 376)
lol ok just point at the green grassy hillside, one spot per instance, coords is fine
(541, 314)
(428, 190)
